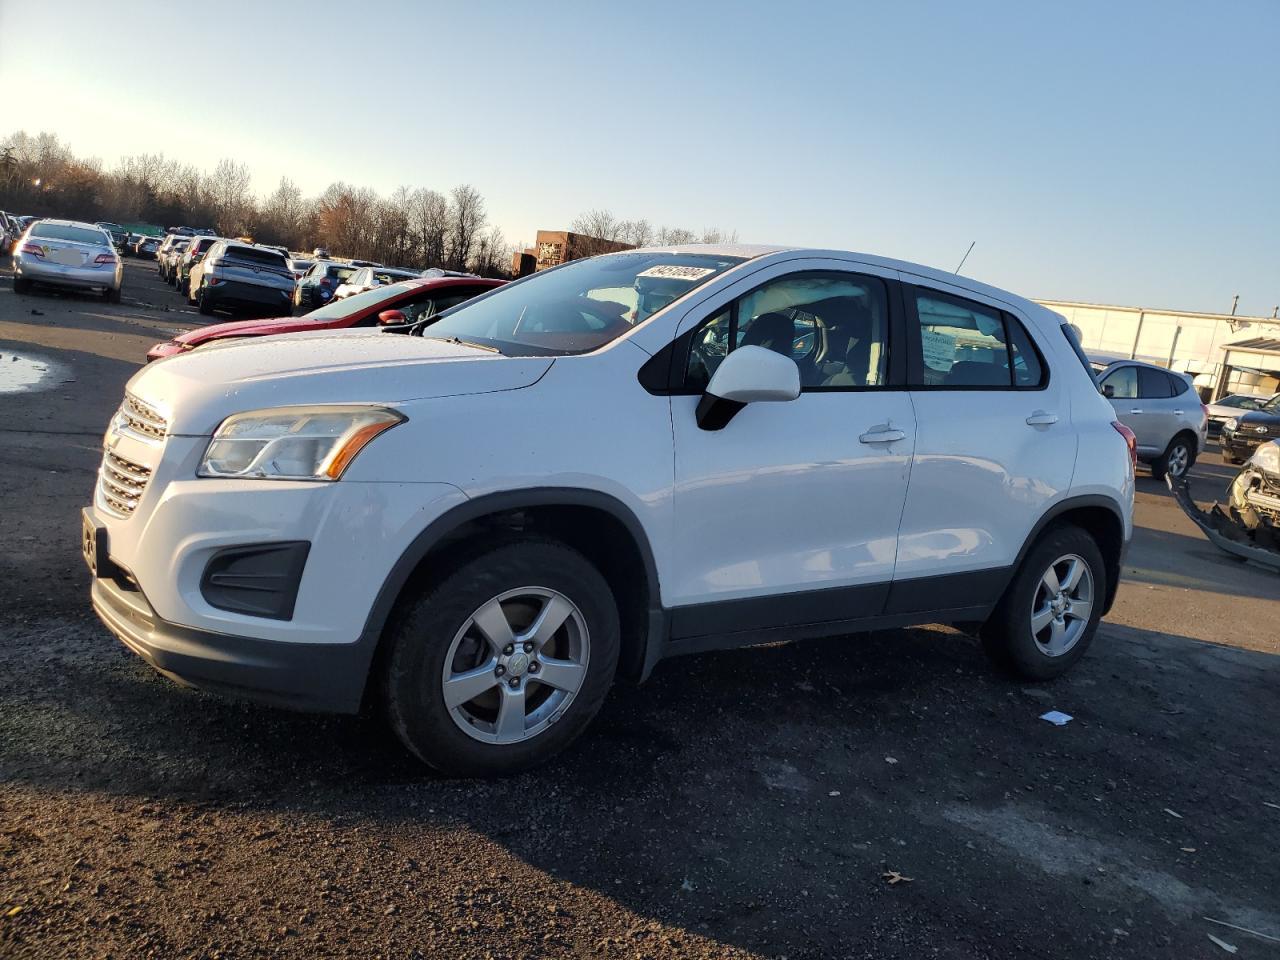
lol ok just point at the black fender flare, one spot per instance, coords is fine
(504, 502)
(1066, 506)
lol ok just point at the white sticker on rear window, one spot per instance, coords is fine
(939, 349)
(674, 271)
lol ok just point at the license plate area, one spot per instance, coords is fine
(68, 258)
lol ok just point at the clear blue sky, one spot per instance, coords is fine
(1117, 152)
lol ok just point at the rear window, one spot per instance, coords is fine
(53, 231)
(340, 273)
(268, 258)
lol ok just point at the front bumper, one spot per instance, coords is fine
(1241, 446)
(323, 677)
(103, 277)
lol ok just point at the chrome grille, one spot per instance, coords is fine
(121, 483)
(141, 419)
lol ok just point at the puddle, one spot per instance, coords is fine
(20, 374)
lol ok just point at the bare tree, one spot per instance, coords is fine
(284, 215)
(429, 224)
(467, 217)
(228, 189)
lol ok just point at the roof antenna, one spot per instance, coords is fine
(966, 256)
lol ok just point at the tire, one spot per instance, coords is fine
(438, 625)
(203, 304)
(1228, 458)
(1009, 636)
(111, 295)
(186, 292)
(21, 285)
(1177, 459)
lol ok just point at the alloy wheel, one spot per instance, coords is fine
(516, 665)
(1062, 605)
(1179, 460)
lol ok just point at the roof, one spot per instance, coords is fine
(71, 223)
(759, 251)
(1255, 345)
(1110, 360)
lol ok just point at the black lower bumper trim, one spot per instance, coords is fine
(320, 677)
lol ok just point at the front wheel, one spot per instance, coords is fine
(1049, 614)
(502, 663)
(1176, 459)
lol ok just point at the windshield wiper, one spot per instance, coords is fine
(465, 343)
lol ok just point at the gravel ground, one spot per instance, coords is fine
(757, 803)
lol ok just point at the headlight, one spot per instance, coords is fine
(294, 443)
(1230, 423)
(1267, 457)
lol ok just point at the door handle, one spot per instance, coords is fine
(1042, 419)
(882, 436)
(1177, 413)
(1135, 411)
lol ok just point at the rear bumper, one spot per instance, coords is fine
(230, 292)
(31, 268)
(320, 677)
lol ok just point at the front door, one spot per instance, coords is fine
(789, 514)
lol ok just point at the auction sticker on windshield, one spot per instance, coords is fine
(674, 271)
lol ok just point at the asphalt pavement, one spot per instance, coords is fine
(886, 795)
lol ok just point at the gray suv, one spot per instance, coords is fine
(1161, 409)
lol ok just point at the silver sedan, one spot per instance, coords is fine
(67, 253)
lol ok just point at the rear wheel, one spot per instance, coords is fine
(111, 294)
(1228, 458)
(203, 304)
(504, 662)
(1049, 614)
(21, 285)
(1176, 459)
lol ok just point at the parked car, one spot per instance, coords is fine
(1162, 410)
(167, 255)
(115, 231)
(317, 285)
(1231, 407)
(366, 278)
(131, 241)
(395, 307)
(190, 256)
(10, 230)
(68, 253)
(241, 277)
(622, 459)
(146, 248)
(299, 267)
(1242, 435)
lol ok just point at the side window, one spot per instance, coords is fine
(1154, 384)
(833, 325)
(1027, 368)
(1180, 385)
(1121, 383)
(963, 342)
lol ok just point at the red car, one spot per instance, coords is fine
(405, 302)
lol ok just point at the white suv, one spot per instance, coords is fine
(622, 459)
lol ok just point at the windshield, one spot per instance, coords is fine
(361, 301)
(53, 231)
(1272, 405)
(581, 306)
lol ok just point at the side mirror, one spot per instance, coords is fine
(1109, 391)
(747, 375)
(392, 318)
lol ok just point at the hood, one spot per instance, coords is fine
(242, 328)
(1258, 417)
(196, 391)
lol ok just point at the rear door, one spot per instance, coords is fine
(1120, 386)
(1161, 410)
(994, 447)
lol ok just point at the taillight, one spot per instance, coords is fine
(32, 249)
(326, 282)
(104, 258)
(1205, 408)
(1130, 439)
